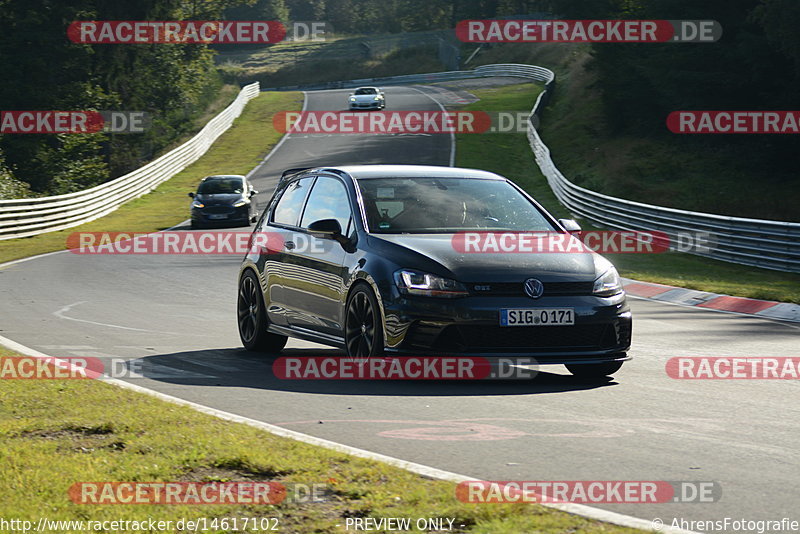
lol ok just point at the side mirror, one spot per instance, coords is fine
(191, 195)
(253, 193)
(325, 229)
(570, 225)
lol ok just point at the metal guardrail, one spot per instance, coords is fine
(32, 216)
(431, 77)
(756, 242)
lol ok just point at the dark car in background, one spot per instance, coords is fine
(224, 200)
(368, 264)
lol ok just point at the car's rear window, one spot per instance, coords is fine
(442, 205)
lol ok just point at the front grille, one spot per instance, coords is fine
(467, 338)
(215, 210)
(515, 289)
(485, 338)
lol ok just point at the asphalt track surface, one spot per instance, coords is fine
(175, 315)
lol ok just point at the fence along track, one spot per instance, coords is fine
(33, 216)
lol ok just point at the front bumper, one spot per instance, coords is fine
(366, 105)
(470, 326)
(221, 215)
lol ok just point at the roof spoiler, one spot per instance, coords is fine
(289, 172)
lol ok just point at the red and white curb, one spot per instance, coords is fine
(770, 309)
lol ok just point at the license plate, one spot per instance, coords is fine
(537, 317)
(218, 216)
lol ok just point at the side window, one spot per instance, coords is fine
(328, 200)
(287, 210)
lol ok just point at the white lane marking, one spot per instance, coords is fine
(91, 354)
(452, 134)
(452, 97)
(29, 258)
(61, 314)
(424, 470)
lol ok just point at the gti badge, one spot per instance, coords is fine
(534, 288)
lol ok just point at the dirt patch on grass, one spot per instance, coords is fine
(224, 473)
(68, 431)
(81, 439)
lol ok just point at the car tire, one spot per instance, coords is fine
(193, 225)
(594, 370)
(252, 318)
(363, 326)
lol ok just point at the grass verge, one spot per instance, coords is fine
(510, 155)
(56, 433)
(236, 151)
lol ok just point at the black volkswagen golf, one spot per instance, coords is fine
(371, 260)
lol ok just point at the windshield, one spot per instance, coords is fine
(219, 186)
(367, 91)
(445, 205)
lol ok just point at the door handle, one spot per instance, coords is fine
(289, 245)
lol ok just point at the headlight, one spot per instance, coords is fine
(240, 203)
(378, 97)
(352, 99)
(608, 284)
(198, 204)
(428, 285)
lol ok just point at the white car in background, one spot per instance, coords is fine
(366, 98)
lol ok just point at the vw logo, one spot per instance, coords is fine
(534, 288)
